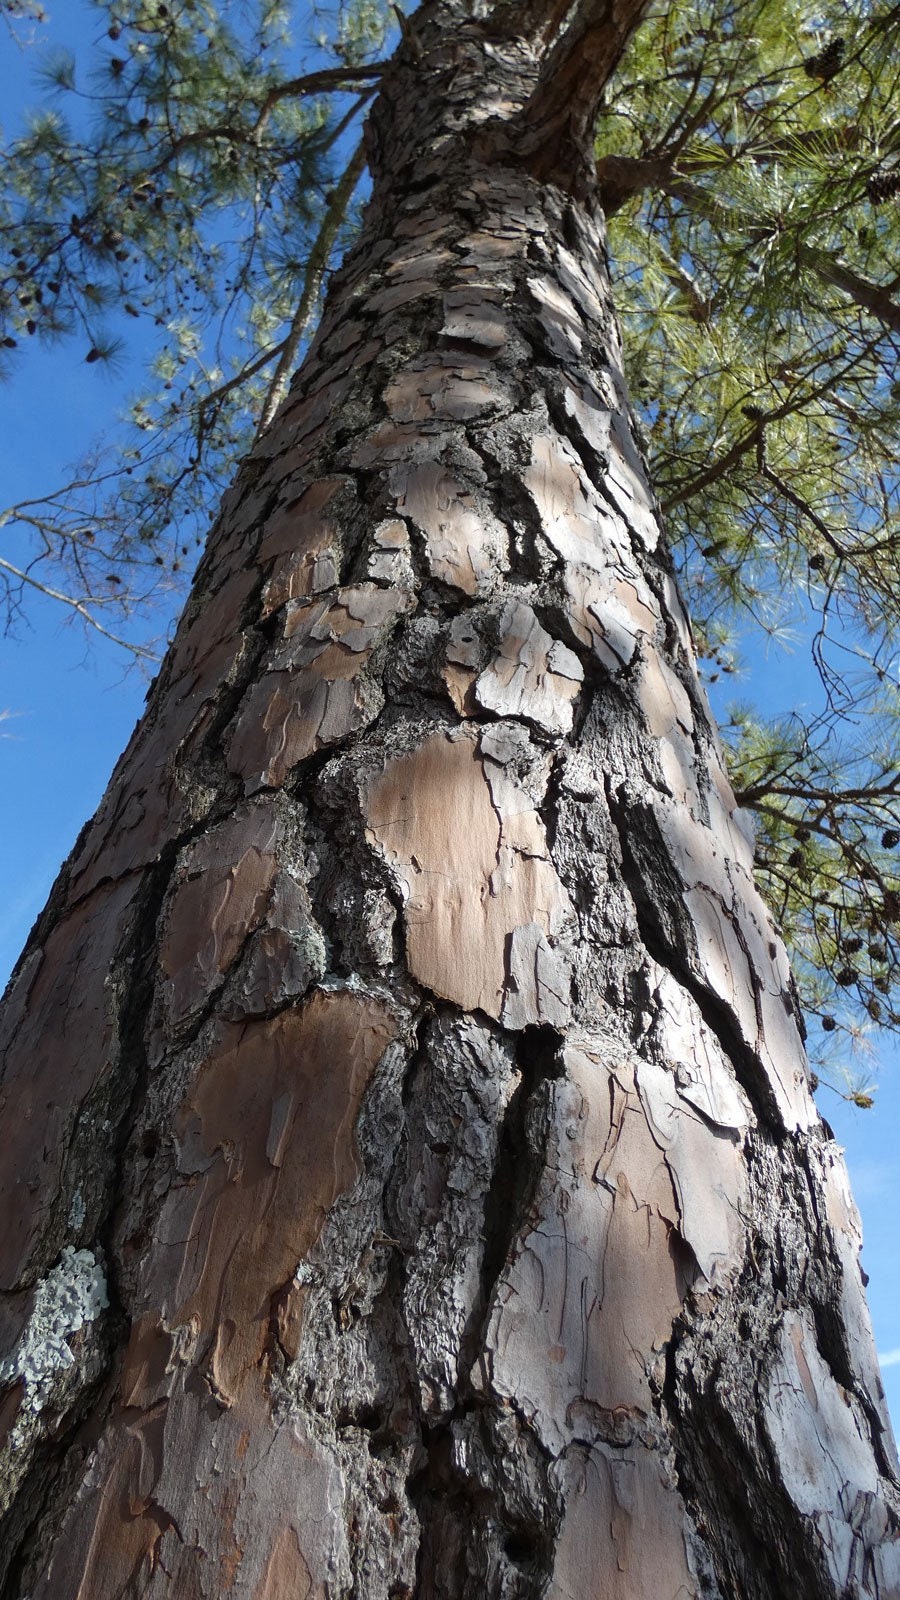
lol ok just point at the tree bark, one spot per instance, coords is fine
(412, 1181)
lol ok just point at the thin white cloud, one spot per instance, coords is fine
(889, 1358)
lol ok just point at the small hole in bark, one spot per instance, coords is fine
(368, 1417)
(521, 1547)
(150, 1144)
(390, 1505)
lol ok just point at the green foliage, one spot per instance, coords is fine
(749, 155)
(163, 203)
(827, 810)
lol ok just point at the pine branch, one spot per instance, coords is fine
(804, 508)
(316, 265)
(80, 607)
(313, 83)
(750, 441)
(620, 177)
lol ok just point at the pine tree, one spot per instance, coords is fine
(753, 237)
(414, 1183)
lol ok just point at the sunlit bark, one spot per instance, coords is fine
(412, 1178)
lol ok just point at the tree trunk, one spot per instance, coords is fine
(412, 1181)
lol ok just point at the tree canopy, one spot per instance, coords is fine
(186, 188)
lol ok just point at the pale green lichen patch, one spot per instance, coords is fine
(73, 1294)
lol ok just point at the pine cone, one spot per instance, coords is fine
(883, 186)
(892, 905)
(828, 62)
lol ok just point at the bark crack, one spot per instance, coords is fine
(652, 913)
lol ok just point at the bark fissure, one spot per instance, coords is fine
(663, 937)
(514, 1178)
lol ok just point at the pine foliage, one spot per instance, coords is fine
(162, 207)
(749, 153)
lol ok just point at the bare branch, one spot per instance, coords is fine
(316, 265)
(79, 606)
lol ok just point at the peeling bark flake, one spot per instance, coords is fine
(244, 1214)
(300, 545)
(460, 547)
(221, 898)
(59, 1040)
(466, 890)
(588, 1298)
(532, 675)
(825, 1458)
(622, 1536)
(310, 696)
(194, 1484)
(153, 793)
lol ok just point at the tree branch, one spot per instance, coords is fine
(221, 392)
(750, 441)
(531, 19)
(313, 83)
(81, 607)
(552, 134)
(622, 176)
(312, 282)
(575, 73)
(805, 510)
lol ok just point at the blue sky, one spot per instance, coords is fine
(72, 707)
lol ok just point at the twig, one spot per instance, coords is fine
(313, 83)
(213, 396)
(750, 440)
(81, 608)
(805, 510)
(315, 271)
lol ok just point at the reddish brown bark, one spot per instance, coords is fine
(415, 1181)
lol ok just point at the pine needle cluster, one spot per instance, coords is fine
(162, 207)
(748, 153)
